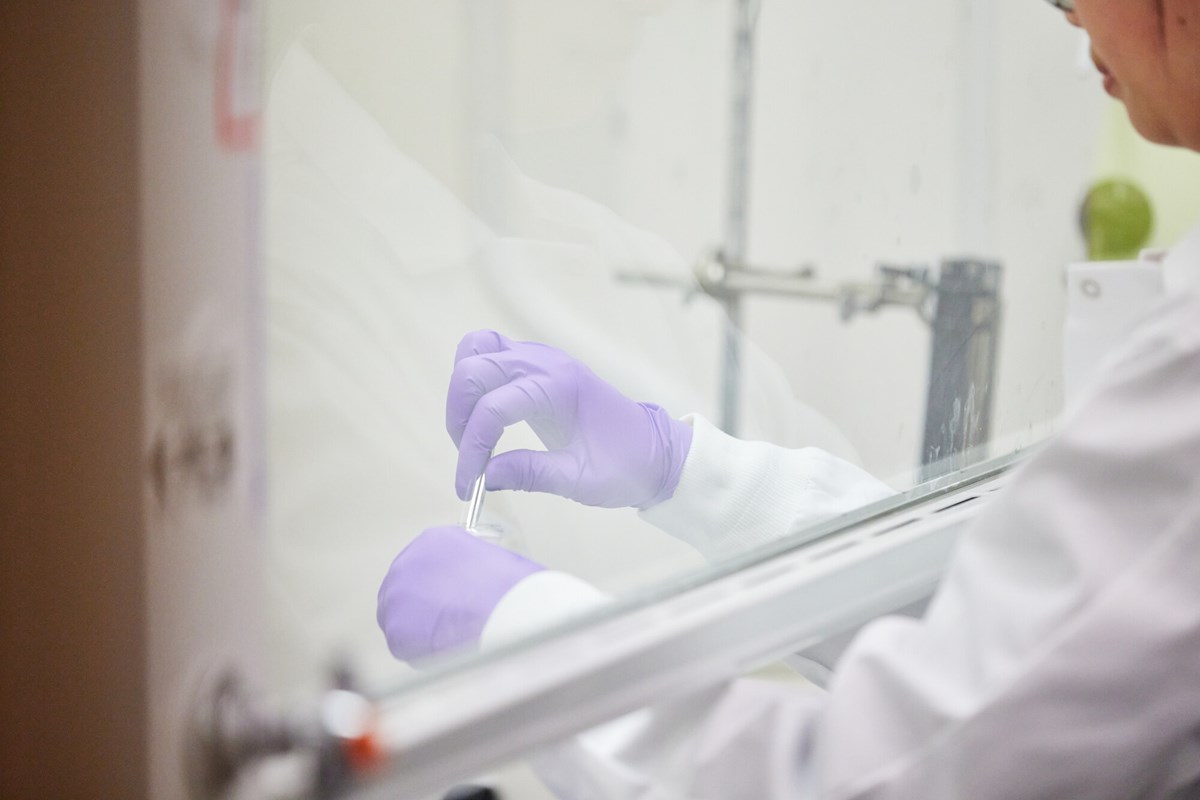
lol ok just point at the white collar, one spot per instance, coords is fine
(1181, 265)
(425, 225)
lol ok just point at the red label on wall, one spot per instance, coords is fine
(238, 95)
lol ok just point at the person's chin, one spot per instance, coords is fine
(1151, 127)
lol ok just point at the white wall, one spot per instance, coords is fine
(866, 149)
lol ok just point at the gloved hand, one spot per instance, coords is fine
(441, 589)
(603, 449)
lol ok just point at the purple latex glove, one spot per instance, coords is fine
(441, 589)
(602, 449)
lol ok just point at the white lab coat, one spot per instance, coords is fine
(375, 271)
(1060, 657)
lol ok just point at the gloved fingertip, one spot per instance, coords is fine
(464, 476)
(493, 484)
(465, 484)
(478, 342)
(516, 470)
(497, 476)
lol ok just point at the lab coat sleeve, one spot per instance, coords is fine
(539, 601)
(651, 754)
(734, 495)
(1058, 658)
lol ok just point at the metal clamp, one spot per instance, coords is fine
(232, 733)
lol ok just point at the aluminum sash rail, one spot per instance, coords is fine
(462, 724)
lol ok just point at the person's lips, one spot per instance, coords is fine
(1110, 83)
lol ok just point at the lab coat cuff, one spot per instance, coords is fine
(734, 495)
(539, 601)
(720, 504)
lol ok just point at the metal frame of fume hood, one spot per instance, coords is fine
(464, 723)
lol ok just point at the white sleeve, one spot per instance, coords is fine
(1057, 660)
(664, 752)
(537, 602)
(734, 495)
(1058, 657)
